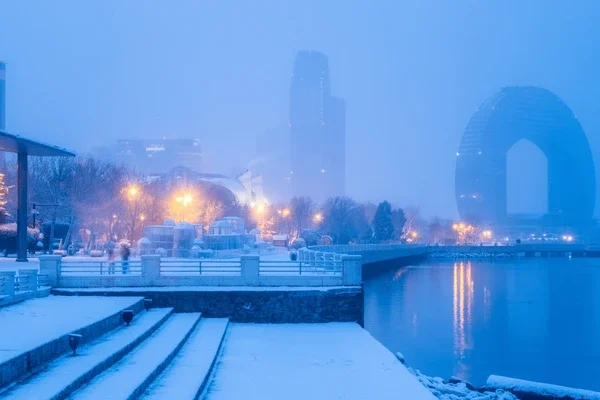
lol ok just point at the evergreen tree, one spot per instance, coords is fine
(382, 222)
(3, 201)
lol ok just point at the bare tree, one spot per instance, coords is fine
(414, 222)
(344, 220)
(302, 210)
(210, 211)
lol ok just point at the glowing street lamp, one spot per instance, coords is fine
(184, 199)
(132, 191)
(285, 212)
(318, 217)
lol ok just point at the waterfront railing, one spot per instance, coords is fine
(20, 285)
(249, 270)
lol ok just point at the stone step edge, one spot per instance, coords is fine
(211, 369)
(161, 367)
(111, 360)
(28, 363)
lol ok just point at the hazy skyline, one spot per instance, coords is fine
(83, 74)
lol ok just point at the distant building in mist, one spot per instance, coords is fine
(272, 162)
(317, 130)
(2, 96)
(336, 136)
(539, 116)
(156, 156)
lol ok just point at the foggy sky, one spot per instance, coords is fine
(83, 73)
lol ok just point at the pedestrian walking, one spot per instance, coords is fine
(125, 253)
(111, 257)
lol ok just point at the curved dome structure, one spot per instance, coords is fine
(537, 115)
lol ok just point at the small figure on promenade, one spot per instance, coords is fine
(125, 253)
(111, 257)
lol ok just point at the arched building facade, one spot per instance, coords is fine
(537, 115)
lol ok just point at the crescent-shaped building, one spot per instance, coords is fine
(539, 116)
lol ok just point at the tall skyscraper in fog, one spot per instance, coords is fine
(336, 147)
(2, 96)
(317, 123)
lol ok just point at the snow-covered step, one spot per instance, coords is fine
(132, 375)
(66, 374)
(188, 373)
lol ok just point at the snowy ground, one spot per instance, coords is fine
(309, 361)
(27, 325)
(9, 264)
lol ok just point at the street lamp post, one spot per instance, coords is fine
(132, 194)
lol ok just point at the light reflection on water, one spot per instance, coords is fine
(537, 320)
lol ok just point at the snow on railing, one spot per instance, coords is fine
(21, 283)
(86, 268)
(306, 268)
(42, 280)
(200, 267)
(249, 270)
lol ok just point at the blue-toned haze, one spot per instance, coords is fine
(83, 74)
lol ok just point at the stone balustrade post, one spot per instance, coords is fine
(352, 270)
(50, 266)
(150, 268)
(32, 279)
(8, 287)
(250, 269)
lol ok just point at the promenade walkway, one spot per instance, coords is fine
(309, 361)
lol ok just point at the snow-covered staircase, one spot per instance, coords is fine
(160, 354)
(188, 374)
(68, 373)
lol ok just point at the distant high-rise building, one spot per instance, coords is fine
(155, 156)
(273, 162)
(317, 127)
(2, 96)
(336, 130)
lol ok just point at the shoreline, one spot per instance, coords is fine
(455, 388)
(497, 388)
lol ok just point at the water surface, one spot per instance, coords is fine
(533, 319)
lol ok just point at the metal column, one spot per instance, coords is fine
(22, 206)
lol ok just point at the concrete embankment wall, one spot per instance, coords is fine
(273, 305)
(379, 267)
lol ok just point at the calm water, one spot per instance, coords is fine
(536, 320)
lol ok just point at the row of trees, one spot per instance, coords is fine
(98, 199)
(341, 218)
